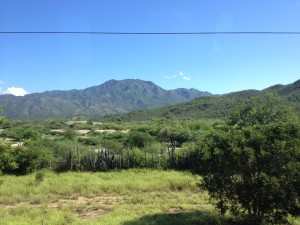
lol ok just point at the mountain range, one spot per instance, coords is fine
(135, 100)
(111, 97)
(215, 107)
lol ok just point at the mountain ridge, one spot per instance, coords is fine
(111, 97)
(217, 106)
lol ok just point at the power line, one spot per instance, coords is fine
(155, 33)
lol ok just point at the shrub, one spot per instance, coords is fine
(251, 166)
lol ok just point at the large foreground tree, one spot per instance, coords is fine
(251, 166)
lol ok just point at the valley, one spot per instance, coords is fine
(175, 164)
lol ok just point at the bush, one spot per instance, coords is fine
(39, 176)
(251, 166)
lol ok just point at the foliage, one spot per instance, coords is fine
(22, 133)
(39, 176)
(261, 111)
(89, 141)
(4, 123)
(6, 159)
(70, 133)
(57, 124)
(174, 132)
(22, 160)
(251, 166)
(134, 144)
(113, 145)
(139, 139)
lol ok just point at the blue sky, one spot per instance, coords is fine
(214, 63)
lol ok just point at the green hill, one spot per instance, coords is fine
(211, 107)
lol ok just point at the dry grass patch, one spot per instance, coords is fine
(110, 131)
(86, 208)
(83, 132)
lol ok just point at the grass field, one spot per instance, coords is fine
(129, 197)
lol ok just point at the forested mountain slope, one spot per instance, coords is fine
(215, 106)
(111, 97)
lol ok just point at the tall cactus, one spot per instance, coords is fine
(71, 160)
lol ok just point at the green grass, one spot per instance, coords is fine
(130, 197)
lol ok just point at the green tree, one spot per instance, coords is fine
(4, 123)
(251, 166)
(113, 145)
(139, 139)
(70, 133)
(7, 161)
(22, 133)
(137, 158)
(174, 132)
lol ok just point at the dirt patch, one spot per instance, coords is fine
(71, 122)
(89, 213)
(57, 131)
(90, 208)
(103, 200)
(83, 132)
(125, 131)
(84, 208)
(105, 131)
(97, 123)
(18, 144)
(174, 211)
(112, 131)
(8, 206)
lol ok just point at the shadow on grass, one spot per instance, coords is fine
(182, 218)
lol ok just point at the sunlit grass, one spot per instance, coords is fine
(128, 197)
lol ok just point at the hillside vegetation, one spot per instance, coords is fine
(214, 107)
(112, 97)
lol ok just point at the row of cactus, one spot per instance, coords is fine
(106, 159)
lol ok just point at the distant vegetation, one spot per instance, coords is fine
(89, 146)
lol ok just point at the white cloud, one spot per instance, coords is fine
(186, 78)
(16, 91)
(1, 82)
(179, 74)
